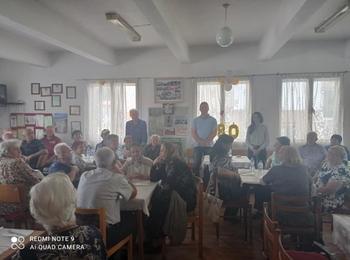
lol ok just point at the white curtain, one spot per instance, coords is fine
(327, 107)
(210, 92)
(237, 107)
(109, 103)
(294, 109)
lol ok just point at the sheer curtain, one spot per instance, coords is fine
(109, 103)
(294, 109)
(210, 92)
(327, 107)
(238, 107)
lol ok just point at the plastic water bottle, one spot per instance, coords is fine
(260, 168)
(252, 164)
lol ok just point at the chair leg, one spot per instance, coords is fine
(250, 221)
(245, 216)
(164, 248)
(193, 232)
(217, 227)
(130, 249)
(200, 239)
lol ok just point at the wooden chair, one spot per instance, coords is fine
(243, 204)
(296, 204)
(269, 235)
(196, 218)
(194, 221)
(15, 194)
(97, 217)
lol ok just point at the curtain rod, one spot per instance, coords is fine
(220, 76)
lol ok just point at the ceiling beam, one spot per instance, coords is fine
(164, 22)
(34, 19)
(291, 17)
(12, 48)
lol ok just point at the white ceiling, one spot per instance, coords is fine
(196, 22)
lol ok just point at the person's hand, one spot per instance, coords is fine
(157, 160)
(27, 158)
(75, 169)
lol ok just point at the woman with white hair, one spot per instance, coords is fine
(53, 204)
(14, 170)
(152, 150)
(333, 179)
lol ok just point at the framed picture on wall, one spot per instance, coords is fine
(35, 88)
(56, 101)
(39, 105)
(45, 91)
(74, 110)
(57, 88)
(71, 92)
(75, 125)
(168, 90)
(168, 109)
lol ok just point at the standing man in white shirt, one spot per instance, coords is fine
(204, 129)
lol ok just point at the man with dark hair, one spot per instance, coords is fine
(104, 134)
(336, 140)
(273, 160)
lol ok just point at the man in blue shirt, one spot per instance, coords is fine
(137, 128)
(64, 161)
(33, 150)
(204, 129)
(336, 140)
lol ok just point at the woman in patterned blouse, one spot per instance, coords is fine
(53, 204)
(333, 179)
(14, 170)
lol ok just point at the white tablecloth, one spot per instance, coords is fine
(144, 194)
(240, 162)
(341, 232)
(252, 177)
(7, 233)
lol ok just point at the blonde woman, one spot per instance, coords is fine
(289, 178)
(333, 179)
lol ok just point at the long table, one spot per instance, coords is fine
(252, 177)
(341, 232)
(7, 247)
(140, 204)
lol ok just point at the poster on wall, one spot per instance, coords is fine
(29, 120)
(181, 125)
(155, 121)
(13, 121)
(48, 121)
(60, 122)
(39, 133)
(168, 90)
(20, 120)
(40, 120)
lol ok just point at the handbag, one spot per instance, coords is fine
(212, 204)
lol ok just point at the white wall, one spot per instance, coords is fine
(295, 57)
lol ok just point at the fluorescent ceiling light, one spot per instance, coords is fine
(333, 19)
(117, 19)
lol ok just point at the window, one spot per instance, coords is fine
(315, 108)
(234, 102)
(109, 105)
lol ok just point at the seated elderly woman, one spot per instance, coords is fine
(223, 173)
(64, 161)
(137, 167)
(78, 149)
(333, 179)
(152, 150)
(13, 170)
(53, 204)
(102, 188)
(289, 178)
(174, 175)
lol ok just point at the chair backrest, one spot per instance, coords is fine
(199, 188)
(269, 235)
(289, 204)
(282, 253)
(11, 193)
(96, 217)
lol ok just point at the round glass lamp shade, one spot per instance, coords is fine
(224, 37)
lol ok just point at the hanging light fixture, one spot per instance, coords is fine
(225, 36)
